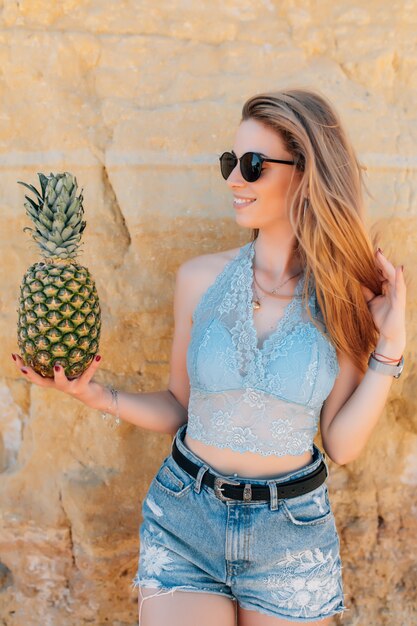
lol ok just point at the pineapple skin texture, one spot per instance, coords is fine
(59, 318)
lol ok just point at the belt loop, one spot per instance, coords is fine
(203, 469)
(274, 495)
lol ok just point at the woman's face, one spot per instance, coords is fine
(273, 190)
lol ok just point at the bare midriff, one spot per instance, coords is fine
(247, 464)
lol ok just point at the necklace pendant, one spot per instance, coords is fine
(256, 304)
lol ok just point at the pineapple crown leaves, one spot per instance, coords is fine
(57, 214)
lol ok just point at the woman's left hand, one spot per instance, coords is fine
(388, 308)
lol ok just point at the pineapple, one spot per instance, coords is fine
(59, 311)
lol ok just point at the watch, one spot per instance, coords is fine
(386, 368)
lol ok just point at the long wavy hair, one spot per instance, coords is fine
(332, 241)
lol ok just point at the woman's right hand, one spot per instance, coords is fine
(80, 387)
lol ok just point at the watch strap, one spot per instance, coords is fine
(386, 368)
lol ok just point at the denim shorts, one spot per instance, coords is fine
(277, 557)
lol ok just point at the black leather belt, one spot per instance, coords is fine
(235, 490)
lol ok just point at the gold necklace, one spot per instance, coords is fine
(256, 302)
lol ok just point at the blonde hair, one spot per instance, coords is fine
(331, 238)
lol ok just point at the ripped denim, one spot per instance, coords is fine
(278, 557)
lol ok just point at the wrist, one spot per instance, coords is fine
(113, 408)
(96, 397)
(390, 348)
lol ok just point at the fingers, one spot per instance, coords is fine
(388, 270)
(30, 374)
(61, 381)
(400, 286)
(86, 376)
(368, 293)
(73, 386)
(392, 275)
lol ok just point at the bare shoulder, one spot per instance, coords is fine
(199, 272)
(209, 264)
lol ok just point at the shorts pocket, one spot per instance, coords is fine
(172, 479)
(310, 509)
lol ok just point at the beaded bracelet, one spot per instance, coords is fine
(109, 416)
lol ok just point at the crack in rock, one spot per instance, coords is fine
(124, 239)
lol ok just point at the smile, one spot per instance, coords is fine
(242, 202)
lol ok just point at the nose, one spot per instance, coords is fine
(235, 177)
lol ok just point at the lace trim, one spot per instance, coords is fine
(241, 442)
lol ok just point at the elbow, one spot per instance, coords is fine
(341, 458)
(338, 459)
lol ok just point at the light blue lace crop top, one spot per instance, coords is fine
(244, 397)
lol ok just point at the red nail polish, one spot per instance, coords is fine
(402, 268)
(22, 369)
(57, 368)
(14, 357)
(98, 358)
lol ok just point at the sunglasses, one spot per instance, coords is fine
(250, 164)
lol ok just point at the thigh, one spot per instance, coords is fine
(254, 618)
(184, 608)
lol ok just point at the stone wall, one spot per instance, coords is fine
(138, 99)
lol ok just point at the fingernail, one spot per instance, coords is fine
(98, 358)
(379, 250)
(402, 268)
(57, 368)
(14, 357)
(22, 369)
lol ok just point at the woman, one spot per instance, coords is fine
(271, 339)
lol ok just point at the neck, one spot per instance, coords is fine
(274, 256)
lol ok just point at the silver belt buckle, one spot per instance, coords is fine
(247, 493)
(218, 482)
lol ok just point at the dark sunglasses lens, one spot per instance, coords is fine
(251, 166)
(227, 164)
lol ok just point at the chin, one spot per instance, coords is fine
(247, 222)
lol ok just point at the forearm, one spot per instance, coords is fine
(159, 411)
(352, 426)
